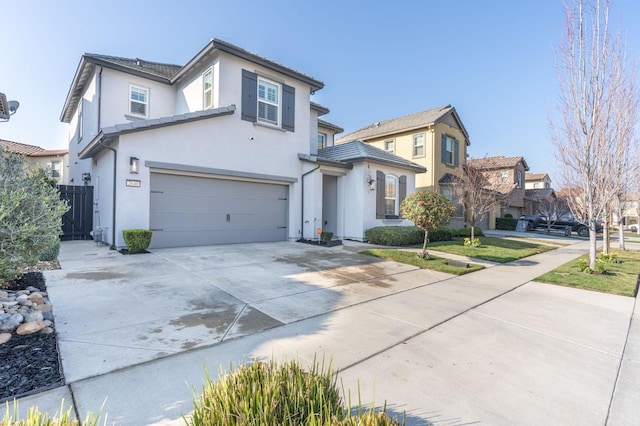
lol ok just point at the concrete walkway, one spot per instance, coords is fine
(491, 346)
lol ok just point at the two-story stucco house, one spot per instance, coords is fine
(53, 161)
(506, 176)
(221, 150)
(435, 139)
(537, 181)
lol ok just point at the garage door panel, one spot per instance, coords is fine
(188, 210)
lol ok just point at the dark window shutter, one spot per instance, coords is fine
(443, 150)
(380, 184)
(402, 190)
(456, 151)
(288, 107)
(249, 93)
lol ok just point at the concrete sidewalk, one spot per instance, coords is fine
(490, 346)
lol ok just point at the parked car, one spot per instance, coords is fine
(563, 222)
(633, 227)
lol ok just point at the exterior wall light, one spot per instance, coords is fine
(86, 178)
(371, 182)
(133, 165)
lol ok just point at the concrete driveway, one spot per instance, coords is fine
(489, 347)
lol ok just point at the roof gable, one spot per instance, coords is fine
(30, 150)
(497, 163)
(358, 151)
(408, 122)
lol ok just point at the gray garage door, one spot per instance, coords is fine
(195, 211)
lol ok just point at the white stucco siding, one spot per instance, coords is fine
(189, 92)
(115, 97)
(102, 182)
(216, 143)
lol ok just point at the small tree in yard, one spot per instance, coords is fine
(428, 211)
(30, 217)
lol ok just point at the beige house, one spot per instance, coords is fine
(537, 181)
(436, 139)
(506, 176)
(54, 161)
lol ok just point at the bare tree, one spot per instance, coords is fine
(583, 137)
(474, 191)
(553, 208)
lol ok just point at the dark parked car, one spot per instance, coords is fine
(563, 222)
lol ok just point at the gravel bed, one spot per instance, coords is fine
(29, 363)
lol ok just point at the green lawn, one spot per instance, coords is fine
(500, 250)
(412, 258)
(620, 278)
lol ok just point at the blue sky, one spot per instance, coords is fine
(492, 59)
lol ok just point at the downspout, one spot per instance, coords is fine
(115, 162)
(302, 203)
(113, 204)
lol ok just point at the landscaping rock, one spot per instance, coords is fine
(30, 327)
(4, 337)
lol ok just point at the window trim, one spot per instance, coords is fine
(519, 179)
(395, 213)
(414, 146)
(449, 139)
(393, 146)
(209, 71)
(323, 143)
(145, 103)
(277, 104)
(504, 176)
(58, 171)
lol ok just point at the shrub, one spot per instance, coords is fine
(271, 394)
(608, 258)
(394, 235)
(325, 237)
(442, 234)
(30, 217)
(137, 240)
(268, 394)
(506, 223)
(469, 243)
(508, 216)
(600, 266)
(51, 252)
(466, 232)
(36, 417)
(583, 265)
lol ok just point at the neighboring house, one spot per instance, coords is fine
(221, 150)
(538, 200)
(54, 161)
(436, 139)
(506, 176)
(537, 181)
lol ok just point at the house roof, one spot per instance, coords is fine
(165, 73)
(330, 126)
(30, 150)
(108, 134)
(405, 123)
(535, 176)
(357, 151)
(496, 163)
(539, 193)
(320, 109)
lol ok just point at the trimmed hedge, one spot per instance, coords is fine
(466, 232)
(406, 235)
(137, 240)
(51, 252)
(506, 223)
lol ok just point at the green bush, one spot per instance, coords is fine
(137, 240)
(469, 243)
(30, 216)
(37, 418)
(406, 235)
(394, 235)
(325, 237)
(51, 252)
(466, 232)
(508, 216)
(506, 223)
(265, 393)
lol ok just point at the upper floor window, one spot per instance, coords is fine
(138, 101)
(418, 145)
(536, 185)
(207, 89)
(390, 146)
(504, 176)
(450, 150)
(322, 140)
(519, 179)
(266, 101)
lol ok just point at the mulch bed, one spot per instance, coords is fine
(30, 363)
